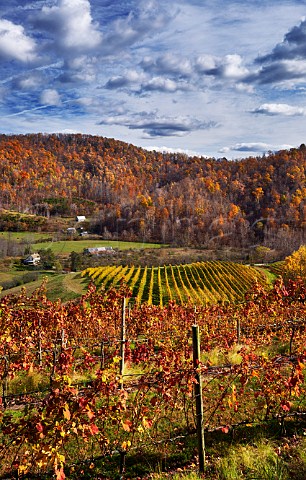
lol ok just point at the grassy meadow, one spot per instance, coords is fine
(155, 273)
(65, 247)
(67, 286)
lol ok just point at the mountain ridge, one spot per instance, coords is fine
(168, 197)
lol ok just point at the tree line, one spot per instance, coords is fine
(133, 194)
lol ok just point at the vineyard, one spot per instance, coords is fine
(72, 398)
(277, 268)
(196, 283)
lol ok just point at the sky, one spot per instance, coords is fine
(218, 78)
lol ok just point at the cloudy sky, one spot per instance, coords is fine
(211, 77)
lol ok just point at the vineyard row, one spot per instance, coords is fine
(197, 283)
(152, 398)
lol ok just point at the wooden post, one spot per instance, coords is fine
(54, 354)
(122, 462)
(5, 382)
(102, 355)
(39, 344)
(238, 330)
(122, 346)
(291, 339)
(62, 340)
(198, 396)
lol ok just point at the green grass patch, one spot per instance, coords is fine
(10, 275)
(268, 274)
(65, 247)
(253, 461)
(247, 453)
(217, 357)
(25, 237)
(277, 268)
(59, 286)
(15, 278)
(26, 383)
(75, 283)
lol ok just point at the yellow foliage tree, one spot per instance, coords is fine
(295, 264)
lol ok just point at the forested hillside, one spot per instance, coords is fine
(132, 193)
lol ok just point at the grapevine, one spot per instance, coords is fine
(82, 339)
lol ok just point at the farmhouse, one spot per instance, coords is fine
(98, 250)
(32, 259)
(80, 218)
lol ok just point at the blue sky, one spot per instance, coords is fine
(210, 77)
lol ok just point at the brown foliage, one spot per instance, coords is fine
(132, 193)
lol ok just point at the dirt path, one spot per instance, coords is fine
(74, 282)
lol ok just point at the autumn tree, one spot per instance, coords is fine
(181, 200)
(295, 264)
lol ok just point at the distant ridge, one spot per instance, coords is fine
(132, 193)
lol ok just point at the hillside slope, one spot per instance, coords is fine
(195, 283)
(172, 198)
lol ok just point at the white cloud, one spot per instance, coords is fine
(15, 44)
(243, 87)
(161, 84)
(71, 25)
(292, 46)
(167, 64)
(183, 63)
(250, 147)
(279, 109)
(233, 68)
(28, 82)
(3, 92)
(50, 97)
(143, 83)
(129, 77)
(253, 147)
(205, 63)
(80, 69)
(190, 153)
(154, 125)
(145, 19)
(279, 71)
(286, 61)
(227, 67)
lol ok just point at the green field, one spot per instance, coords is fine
(197, 282)
(26, 236)
(40, 241)
(65, 247)
(60, 285)
(68, 286)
